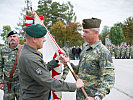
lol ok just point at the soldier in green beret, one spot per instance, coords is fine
(35, 79)
(95, 67)
(9, 77)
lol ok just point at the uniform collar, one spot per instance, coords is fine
(31, 49)
(95, 44)
(16, 48)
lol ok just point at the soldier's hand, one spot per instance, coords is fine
(79, 83)
(2, 86)
(64, 59)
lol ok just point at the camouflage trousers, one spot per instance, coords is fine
(13, 93)
(79, 95)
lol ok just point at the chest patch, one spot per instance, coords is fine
(38, 71)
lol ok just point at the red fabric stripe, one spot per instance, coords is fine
(54, 73)
(54, 96)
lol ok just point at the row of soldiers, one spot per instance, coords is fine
(121, 52)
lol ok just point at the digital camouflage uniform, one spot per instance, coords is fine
(131, 52)
(7, 59)
(111, 50)
(127, 55)
(96, 70)
(123, 52)
(117, 52)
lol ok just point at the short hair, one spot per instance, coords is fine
(96, 29)
(27, 36)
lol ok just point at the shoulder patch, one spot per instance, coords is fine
(38, 71)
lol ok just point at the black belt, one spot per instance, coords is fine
(11, 79)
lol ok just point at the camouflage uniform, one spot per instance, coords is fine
(7, 59)
(131, 52)
(66, 50)
(96, 70)
(123, 51)
(111, 50)
(116, 52)
(127, 55)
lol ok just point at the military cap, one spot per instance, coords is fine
(11, 33)
(91, 23)
(36, 30)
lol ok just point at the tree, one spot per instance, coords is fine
(128, 30)
(101, 38)
(67, 33)
(5, 31)
(116, 34)
(74, 35)
(59, 31)
(54, 11)
(21, 24)
(105, 32)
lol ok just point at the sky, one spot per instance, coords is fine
(109, 11)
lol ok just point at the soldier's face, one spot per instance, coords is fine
(88, 35)
(40, 42)
(13, 39)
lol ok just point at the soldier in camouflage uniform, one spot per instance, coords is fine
(131, 52)
(123, 52)
(10, 82)
(127, 54)
(95, 66)
(111, 49)
(117, 52)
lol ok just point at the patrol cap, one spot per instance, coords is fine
(36, 30)
(91, 23)
(11, 33)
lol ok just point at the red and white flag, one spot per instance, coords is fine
(29, 20)
(49, 51)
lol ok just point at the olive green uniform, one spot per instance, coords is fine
(35, 79)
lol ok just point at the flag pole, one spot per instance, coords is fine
(68, 64)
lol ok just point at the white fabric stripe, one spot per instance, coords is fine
(29, 21)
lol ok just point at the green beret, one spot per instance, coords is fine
(91, 23)
(36, 30)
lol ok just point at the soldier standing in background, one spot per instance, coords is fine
(9, 78)
(74, 52)
(127, 52)
(123, 52)
(117, 52)
(131, 52)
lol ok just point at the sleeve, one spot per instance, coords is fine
(1, 67)
(107, 75)
(41, 75)
(52, 64)
(75, 68)
(65, 72)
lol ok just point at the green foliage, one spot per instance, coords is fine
(5, 31)
(54, 11)
(116, 34)
(101, 38)
(105, 32)
(67, 34)
(128, 30)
